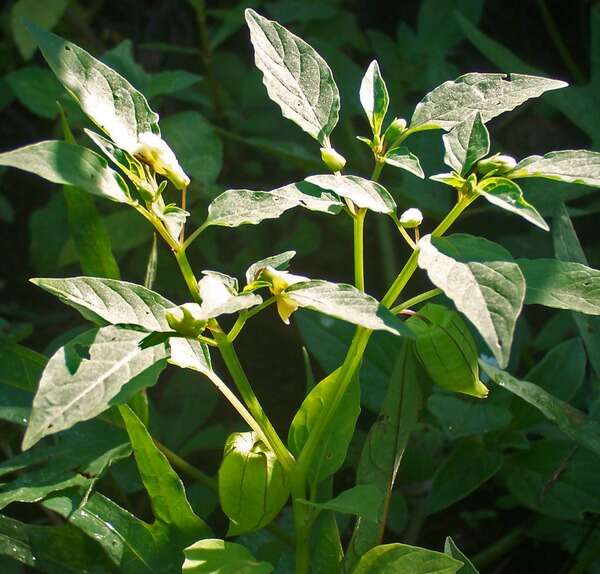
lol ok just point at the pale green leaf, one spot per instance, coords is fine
(213, 555)
(107, 98)
(46, 15)
(69, 164)
(279, 261)
(374, 97)
(489, 94)
(332, 452)
(466, 144)
(468, 466)
(362, 500)
(482, 280)
(189, 354)
(571, 166)
(561, 285)
(109, 301)
(100, 368)
(404, 559)
(508, 195)
(347, 303)
(220, 297)
(579, 427)
(362, 192)
(401, 157)
(241, 206)
(165, 489)
(297, 79)
(451, 549)
(37, 89)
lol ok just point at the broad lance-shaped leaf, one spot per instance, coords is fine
(402, 158)
(215, 555)
(241, 206)
(61, 549)
(384, 447)
(571, 166)
(107, 98)
(489, 94)
(100, 368)
(362, 192)
(506, 194)
(297, 79)
(374, 97)
(562, 285)
(482, 280)
(466, 144)
(404, 559)
(69, 164)
(332, 452)
(451, 549)
(165, 489)
(362, 500)
(347, 303)
(576, 425)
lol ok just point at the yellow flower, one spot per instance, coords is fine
(280, 281)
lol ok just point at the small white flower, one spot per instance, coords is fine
(154, 151)
(411, 218)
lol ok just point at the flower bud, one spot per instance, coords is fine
(154, 151)
(499, 163)
(333, 160)
(394, 131)
(447, 350)
(187, 319)
(253, 486)
(411, 218)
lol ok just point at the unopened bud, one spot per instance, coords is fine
(411, 218)
(394, 131)
(332, 159)
(499, 163)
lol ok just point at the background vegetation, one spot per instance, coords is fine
(482, 473)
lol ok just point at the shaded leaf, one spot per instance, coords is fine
(466, 144)
(452, 549)
(37, 89)
(214, 555)
(362, 500)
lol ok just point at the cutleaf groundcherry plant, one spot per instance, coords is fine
(137, 331)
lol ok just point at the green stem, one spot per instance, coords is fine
(404, 233)
(188, 274)
(244, 316)
(359, 256)
(453, 214)
(195, 234)
(415, 300)
(499, 548)
(242, 383)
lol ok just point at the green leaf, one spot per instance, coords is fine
(466, 144)
(297, 79)
(362, 192)
(92, 241)
(577, 426)
(571, 166)
(374, 97)
(506, 194)
(253, 485)
(189, 354)
(482, 280)
(46, 15)
(109, 301)
(554, 478)
(489, 94)
(468, 466)
(214, 555)
(279, 262)
(362, 500)
(332, 452)
(37, 89)
(61, 549)
(79, 458)
(404, 559)
(568, 248)
(561, 285)
(165, 489)
(384, 447)
(347, 303)
(451, 549)
(107, 98)
(237, 207)
(100, 368)
(69, 164)
(401, 157)
(196, 145)
(219, 296)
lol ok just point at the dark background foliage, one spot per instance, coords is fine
(236, 138)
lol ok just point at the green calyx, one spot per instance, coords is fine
(186, 320)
